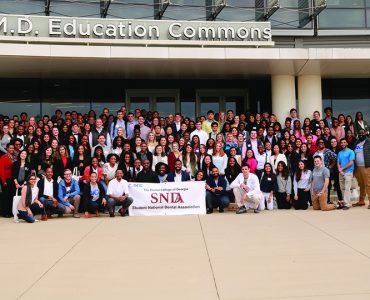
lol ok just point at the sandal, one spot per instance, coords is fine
(358, 204)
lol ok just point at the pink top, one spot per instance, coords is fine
(252, 162)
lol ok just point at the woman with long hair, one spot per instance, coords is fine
(302, 187)
(284, 184)
(219, 158)
(99, 154)
(334, 173)
(21, 170)
(251, 161)
(207, 166)
(189, 161)
(5, 139)
(268, 186)
(62, 161)
(349, 124)
(71, 146)
(174, 155)
(195, 143)
(29, 205)
(80, 159)
(232, 170)
(126, 164)
(46, 160)
(210, 145)
(151, 141)
(292, 158)
(306, 157)
(159, 157)
(201, 155)
(117, 145)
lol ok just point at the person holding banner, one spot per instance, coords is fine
(216, 194)
(117, 194)
(178, 175)
(246, 188)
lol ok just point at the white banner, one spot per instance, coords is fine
(170, 198)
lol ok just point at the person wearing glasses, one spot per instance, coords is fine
(69, 194)
(30, 205)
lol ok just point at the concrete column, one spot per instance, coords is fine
(283, 96)
(309, 95)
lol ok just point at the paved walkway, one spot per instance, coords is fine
(273, 255)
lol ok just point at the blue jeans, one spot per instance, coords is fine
(50, 209)
(23, 215)
(214, 200)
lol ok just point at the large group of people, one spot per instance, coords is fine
(75, 163)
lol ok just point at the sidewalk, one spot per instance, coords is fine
(272, 255)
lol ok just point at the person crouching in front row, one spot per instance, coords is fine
(29, 205)
(246, 188)
(216, 194)
(94, 196)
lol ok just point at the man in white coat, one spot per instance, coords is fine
(246, 188)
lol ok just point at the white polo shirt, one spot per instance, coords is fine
(117, 188)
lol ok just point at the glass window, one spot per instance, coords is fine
(291, 14)
(82, 8)
(112, 106)
(238, 10)
(235, 103)
(368, 3)
(34, 7)
(185, 10)
(351, 106)
(345, 3)
(16, 107)
(342, 18)
(209, 103)
(368, 17)
(165, 105)
(188, 109)
(139, 102)
(131, 9)
(50, 105)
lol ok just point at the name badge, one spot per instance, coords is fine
(269, 179)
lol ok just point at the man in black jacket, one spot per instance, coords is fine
(147, 174)
(48, 194)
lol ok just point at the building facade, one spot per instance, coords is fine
(185, 55)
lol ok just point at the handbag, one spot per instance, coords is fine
(16, 200)
(76, 174)
(354, 195)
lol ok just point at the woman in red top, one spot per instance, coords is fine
(8, 188)
(173, 156)
(62, 161)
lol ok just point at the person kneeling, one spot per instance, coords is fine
(246, 188)
(29, 205)
(216, 194)
(117, 193)
(94, 196)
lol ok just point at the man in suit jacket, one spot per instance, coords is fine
(216, 194)
(48, 194)
(176, 125)
(76, 133)
(271, 137)
(178, 175)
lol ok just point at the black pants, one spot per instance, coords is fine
(6, 198)
(37, 210)
(334, 175)
(303, 199)
(93, 206)
(281, 201)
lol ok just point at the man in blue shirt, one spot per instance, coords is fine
(346, 159)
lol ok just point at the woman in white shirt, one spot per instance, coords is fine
(302, 186)
(159, 156)
(110, 168)
(29, 205)
(276, 157)
(219, 158)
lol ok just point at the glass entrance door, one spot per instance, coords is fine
(164, 101)
(221, 100)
